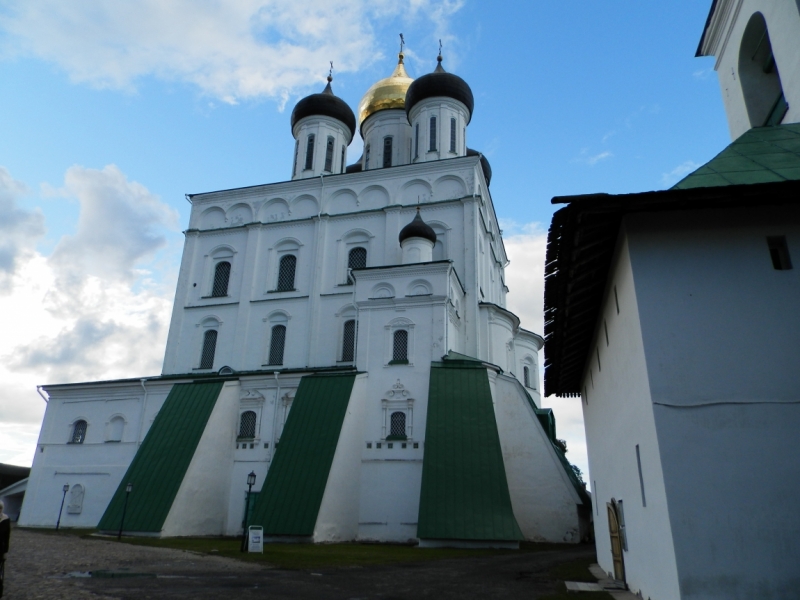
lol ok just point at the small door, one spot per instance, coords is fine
(616, 542)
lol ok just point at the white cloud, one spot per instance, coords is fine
(526, 245)
(229, 50)
(678, 173)
(19, 229)
(90, 310)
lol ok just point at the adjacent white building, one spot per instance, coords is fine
(673, 316)
(322, 333)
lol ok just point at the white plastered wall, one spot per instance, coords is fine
(337, 519)
(200, 506)
(542, 497)
(618, 416)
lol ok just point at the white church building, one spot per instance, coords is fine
(673, 315)
(342, 336)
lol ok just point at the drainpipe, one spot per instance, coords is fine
(144, 407)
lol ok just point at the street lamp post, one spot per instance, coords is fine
(251, 481)
(60, 510)
(128, 490)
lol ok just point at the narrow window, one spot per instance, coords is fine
(452, 135)
(432, 146)
(296, 151)
(222, 275)
(366, 158)
(387, 151)
(247, 425)
(416, 141)
(599, 366)
(526, 376)
(329, 154)
(779, 253)
(605, 328)
(310, 153)
(397, 426)
(78, 432)
(400, 346)
(209, 348)
(594, 498)
(356, 259)
(349, 341)
(616, 299)
(641, 479)
(464, 137)
(276, 343)
(343, 157)
(286, 271)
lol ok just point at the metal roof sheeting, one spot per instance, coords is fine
(160, 464)
(292, 493)
(464, 492)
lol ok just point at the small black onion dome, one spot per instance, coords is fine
(440, 83)
(326, 104)
(417, 228)
(485, 166)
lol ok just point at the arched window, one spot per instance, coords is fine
(78, 432)
(344, 149)
(349, 341)
(310, 152)
(400, 346)
(432, 138)
(526, 376)
(276, 343)
(329, 154)
(758, 72)
(247, 425)
(387, 151)
(397, 426)
(286, 271)
(296, 152)
(222, 275)
(366, 158)
(452, 135)
(356, 259)
(209, 348)
(416, 141)
(115, 428)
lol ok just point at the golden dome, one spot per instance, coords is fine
(386, 93)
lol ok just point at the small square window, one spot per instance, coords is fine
(369, 444)
(252, 446)
(266, 444)
(416, 444)
(390, 445)
(378, 445)
(404, 445)
(779, 253)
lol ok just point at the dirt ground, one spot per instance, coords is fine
(42, 565)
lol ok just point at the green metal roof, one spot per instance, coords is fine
(464, 488)
(760, 155)
(160, 464)
(292, 493)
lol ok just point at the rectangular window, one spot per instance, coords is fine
(296, 152)
(416, 141)
(309, 153)
(366, 158)
(329, 154)
(616, 299)
(452, 135)
(432, 137)
(779, 253)
(343, 157)
(641, 479)
(387, 151)
(605, 328)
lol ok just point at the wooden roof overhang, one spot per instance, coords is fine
(580, 247)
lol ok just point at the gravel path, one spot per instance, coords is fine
(42, 565)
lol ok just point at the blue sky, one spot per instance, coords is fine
(111, 111)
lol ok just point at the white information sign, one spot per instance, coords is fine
(255, 539)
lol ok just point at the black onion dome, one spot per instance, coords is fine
(485, 166)
(440, 83)
(326, 104)
(417, 228)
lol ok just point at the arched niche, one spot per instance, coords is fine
(240, 214)
(414, 192)
(374, 196)
(419, 287)
(273, 211)
(304, 206)
(382, 290)
(212, 218)
(343, 201)
(449, 187)
(759, 76)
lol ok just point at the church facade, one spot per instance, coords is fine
(343, 338)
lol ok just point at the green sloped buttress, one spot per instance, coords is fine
(464, 493)
(162, 460)
(290, 499)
